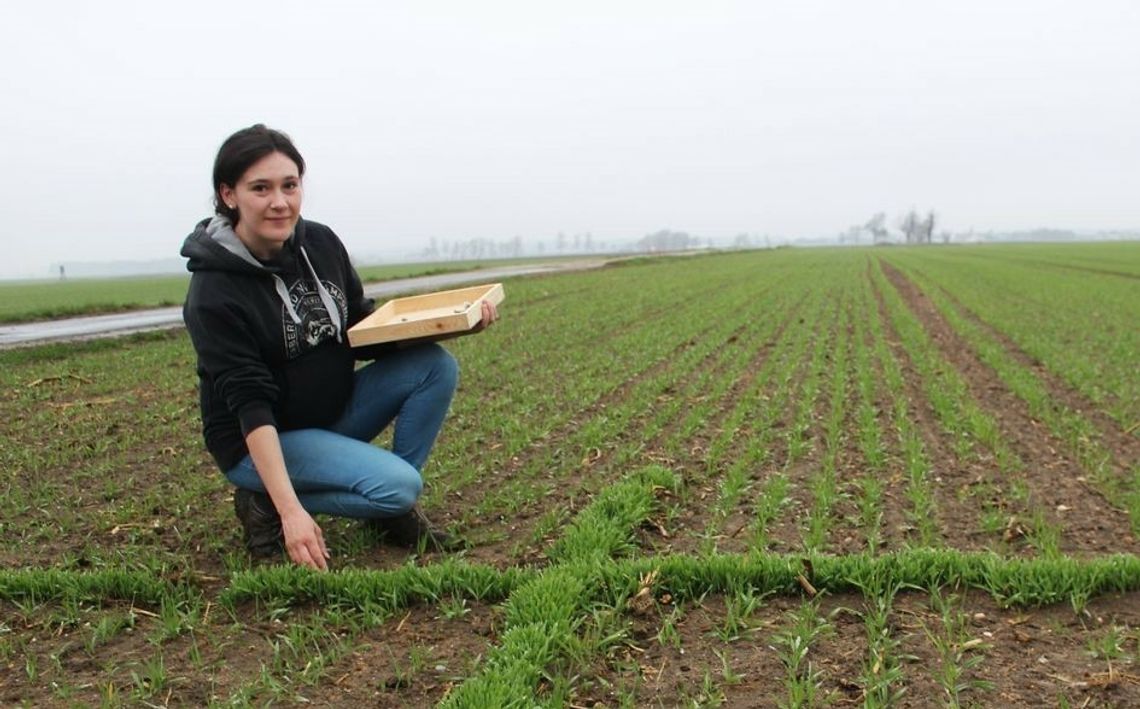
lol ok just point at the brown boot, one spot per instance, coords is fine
(412, 529)
(261, 525)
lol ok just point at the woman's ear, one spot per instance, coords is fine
(228, 196)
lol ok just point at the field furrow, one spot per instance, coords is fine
(962, 499)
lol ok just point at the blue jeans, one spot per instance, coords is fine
(338, 471)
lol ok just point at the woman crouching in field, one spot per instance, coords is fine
(284, 414)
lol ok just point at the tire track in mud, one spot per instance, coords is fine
(1089, 523)
(952, 478)
(1124, 446)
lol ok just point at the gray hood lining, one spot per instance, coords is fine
(221, 230)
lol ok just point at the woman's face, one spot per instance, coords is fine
(268, 200)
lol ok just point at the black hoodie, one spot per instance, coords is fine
(270, 335)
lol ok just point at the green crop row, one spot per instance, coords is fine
(556, 395)
(1080, 324)
(638, 414)
(870, 431)
(973, 429)
(1071, 427)
(823, 483)
(750, 430)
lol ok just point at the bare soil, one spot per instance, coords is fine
(1029, 658)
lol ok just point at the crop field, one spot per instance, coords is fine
(872, 477)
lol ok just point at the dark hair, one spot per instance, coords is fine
(240, 151)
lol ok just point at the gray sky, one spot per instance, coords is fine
(495, 119)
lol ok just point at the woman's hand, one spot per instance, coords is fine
(304, 540)
(490, 314)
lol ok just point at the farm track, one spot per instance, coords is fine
(954, 479)
(1090, 523)
(1078, 324)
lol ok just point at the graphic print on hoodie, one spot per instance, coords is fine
(316, 326)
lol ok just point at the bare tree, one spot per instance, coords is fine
(911, 227)
(927, 228)
(877, 226)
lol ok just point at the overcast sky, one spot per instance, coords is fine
(495, 119)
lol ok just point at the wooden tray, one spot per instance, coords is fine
(441, 313)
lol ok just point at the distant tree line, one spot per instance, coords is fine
(482, 248)
(562, 243)
(914, 228)
(667, 240)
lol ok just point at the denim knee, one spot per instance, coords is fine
(403, 489)
(444, 364)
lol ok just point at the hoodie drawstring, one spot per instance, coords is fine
(326, 297)
(283, 294)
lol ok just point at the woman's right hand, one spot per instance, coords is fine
(303, 540)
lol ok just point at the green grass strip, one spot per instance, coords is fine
(38, 585)
(605, 528)
(1012, 582)
(540, 614)
(292, 585)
